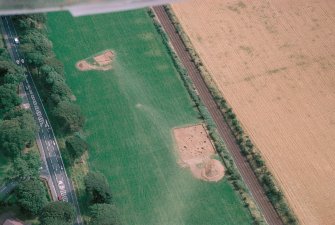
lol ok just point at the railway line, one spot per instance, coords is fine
(250, 179)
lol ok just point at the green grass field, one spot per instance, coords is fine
(130, 113)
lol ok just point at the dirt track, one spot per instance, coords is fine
(246, 172)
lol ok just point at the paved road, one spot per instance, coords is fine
(46, 139)
(7, 188)
(243, 166)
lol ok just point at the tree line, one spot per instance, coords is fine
(48, 75)
(66, 117)
(18, 131)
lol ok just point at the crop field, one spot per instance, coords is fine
(274, 62)
(132, 105)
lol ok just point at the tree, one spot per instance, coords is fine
(60, 92)
(55, 64)
(25, 22)
(31, 196)
(34, 59)
(10, 73)
(37, 42)
(15, 113)
(14, 78)
(27, 122)
(68, 116)
(104, 214)
(17, 130)
(8, 97)
(60, 213)
(52, 77)
(98, 188)
(76, 146)
(11, 141)
(25, 166)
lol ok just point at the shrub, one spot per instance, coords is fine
(76, 146)
(31, 196)
(98, 188)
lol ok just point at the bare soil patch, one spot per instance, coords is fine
(196, 152)
(274, 62)
(101, 61)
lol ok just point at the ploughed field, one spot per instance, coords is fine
(274, 62)
(132, 98)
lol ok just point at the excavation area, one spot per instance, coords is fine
(196, 152)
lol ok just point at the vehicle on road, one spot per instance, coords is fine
(61, 185)
(22, 60)
(17, 61)
(16, 40)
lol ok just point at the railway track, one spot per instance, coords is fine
(243, 166)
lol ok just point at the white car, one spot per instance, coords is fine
(16, 40)
(22, 60)
(61, 185)
(17, 61)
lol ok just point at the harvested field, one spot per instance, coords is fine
(196, 152)
(274, 62)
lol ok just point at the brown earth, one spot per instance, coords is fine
(196, 152)
(101, 61)
(274, 62)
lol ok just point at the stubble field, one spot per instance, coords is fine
(274, 62)
(131, 111)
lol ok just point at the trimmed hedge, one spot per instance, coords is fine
(247, 148)
(231, 170)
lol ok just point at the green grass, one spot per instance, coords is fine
(131, 111)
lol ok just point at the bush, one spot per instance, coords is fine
(68, 116)
(16, 132)
(57, 213)
(31, 196)
(104, 214)
(76, 146)
(98, 188)
(25, 167)
(8, 97)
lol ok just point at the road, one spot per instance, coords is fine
(243, 166)
(46, 139)
(7, 188)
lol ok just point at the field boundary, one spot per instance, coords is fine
(232, 174)
(247, 148)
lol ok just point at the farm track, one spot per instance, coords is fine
(243, 166)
